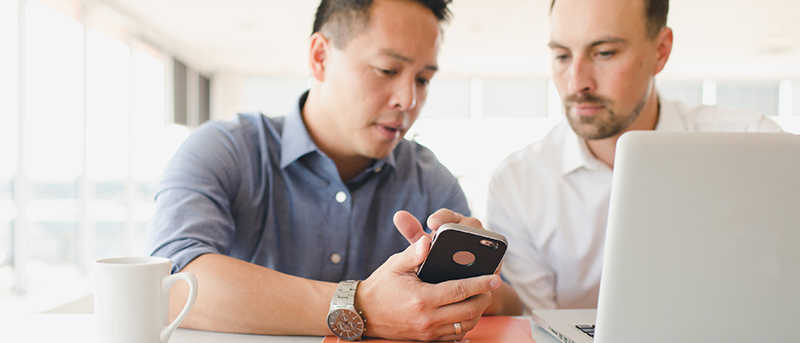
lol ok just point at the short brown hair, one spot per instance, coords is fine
(655, 13)
(344, 19)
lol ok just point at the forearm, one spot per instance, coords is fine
(237, 296)
(505, 302)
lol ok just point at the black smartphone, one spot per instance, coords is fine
(459, 252)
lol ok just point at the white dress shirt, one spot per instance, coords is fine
(551, 198)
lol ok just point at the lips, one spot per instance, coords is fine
(586, 109)
(388, 132)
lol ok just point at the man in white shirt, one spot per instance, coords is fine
(551, 198)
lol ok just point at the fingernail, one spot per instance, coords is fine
(495, 283)
(418, 246)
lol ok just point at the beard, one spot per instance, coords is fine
(607, 123)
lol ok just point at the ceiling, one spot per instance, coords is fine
(736, 39)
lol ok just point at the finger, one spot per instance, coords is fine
(443, 216)
(468, 309)
(408, 260)
(449, 330)
(408, 226)
(458, 290)
(472, 222)
(499, 268)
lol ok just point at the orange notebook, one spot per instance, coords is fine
(490, 329)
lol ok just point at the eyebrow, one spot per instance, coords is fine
(603, 40)
(406, 59)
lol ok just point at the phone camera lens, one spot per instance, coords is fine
(489, 243)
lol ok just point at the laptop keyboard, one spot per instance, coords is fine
(587, 329)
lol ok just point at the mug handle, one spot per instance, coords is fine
(166, 333)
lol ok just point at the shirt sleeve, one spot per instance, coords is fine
(455, 198)
(769, 125)
(524, 266)
(193, 204)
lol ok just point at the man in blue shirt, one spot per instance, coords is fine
(268, 213)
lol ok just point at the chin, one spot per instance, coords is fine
(586, 131)
(382, 152)
(379, 155)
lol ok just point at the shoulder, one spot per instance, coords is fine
(414, 160)
(244, 125)
(411, 151)
(221, 147)
(538, 158)
(419, 170)
(523, 188)
(244, 132)
(231, 155)
(717, 118)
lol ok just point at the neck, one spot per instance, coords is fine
(317, 119)
(605, 149)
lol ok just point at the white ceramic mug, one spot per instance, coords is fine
(131, 299)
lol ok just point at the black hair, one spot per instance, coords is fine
(344, 19)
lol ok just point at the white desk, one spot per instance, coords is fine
(67, 328)
(82, 328)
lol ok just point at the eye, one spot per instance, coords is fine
(561, 57)
(606, 54)
(388, 72)
(423, 81)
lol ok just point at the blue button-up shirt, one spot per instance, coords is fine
(258, 189)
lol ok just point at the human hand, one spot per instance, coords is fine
(398, 305)
(411, 229)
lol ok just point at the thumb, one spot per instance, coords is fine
(408, 260)
(408, 226)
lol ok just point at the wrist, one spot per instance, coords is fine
(344, 319)
(363, 305)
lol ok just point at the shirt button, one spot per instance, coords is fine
(341, 197)
(378, 170)
(336, 258)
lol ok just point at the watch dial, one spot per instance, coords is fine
(345, 323)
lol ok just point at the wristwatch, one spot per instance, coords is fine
(343, 318)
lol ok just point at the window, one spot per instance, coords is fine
(518, 98)
(107, 139)
(447, 98)
(94, 140)
(9, 98)
(152, 142)
(191, 92)
(179, 91)
(794, 95)
(688, 92)
(756, 96)
(273, 96)
(53, 137)
(472, 124)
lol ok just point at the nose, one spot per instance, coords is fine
(581, 79)
(405, 95)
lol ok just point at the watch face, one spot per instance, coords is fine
(345, 323)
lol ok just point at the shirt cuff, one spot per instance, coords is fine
(182, 253)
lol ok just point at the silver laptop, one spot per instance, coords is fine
(702, 245)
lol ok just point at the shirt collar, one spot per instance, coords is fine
(669, 118)
(389, 160)
(576, 153)
(296, 142)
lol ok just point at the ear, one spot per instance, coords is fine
(663, 49)
(318, 55)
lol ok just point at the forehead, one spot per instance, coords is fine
(406, 27)
(578, 22)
